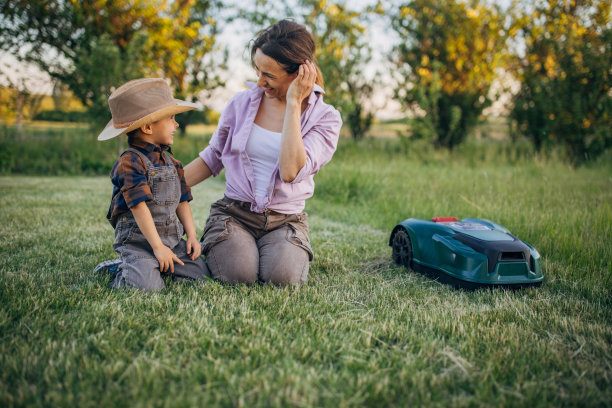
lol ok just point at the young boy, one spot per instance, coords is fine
(149, 189)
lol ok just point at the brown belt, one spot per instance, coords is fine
(247, 206)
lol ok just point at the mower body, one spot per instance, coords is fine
(472, 252)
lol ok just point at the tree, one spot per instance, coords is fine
(93, 46)
(61, 96)
(182, 43)
(342, 52)
(565, 95)
(77, 43)
(446, 64)
(22, 94)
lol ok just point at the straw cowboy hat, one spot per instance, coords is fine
(140, 102)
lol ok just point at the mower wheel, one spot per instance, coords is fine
(402, 248)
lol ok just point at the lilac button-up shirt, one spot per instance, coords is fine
(227, 149)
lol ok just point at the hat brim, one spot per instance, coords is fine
(110, 131)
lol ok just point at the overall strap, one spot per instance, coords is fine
(147, 162)
(168, 159)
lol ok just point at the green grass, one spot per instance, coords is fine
(362, 332)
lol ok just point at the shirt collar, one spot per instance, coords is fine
(147, 147)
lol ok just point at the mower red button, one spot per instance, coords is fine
(444, 219)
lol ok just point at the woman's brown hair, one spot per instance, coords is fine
(288, 43)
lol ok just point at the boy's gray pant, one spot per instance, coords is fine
(140, 268)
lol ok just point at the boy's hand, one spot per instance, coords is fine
(166, 259)
(193, 248)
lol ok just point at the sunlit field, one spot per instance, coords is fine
(362, 332)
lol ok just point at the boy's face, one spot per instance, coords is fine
(162, 131)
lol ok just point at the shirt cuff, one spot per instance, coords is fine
(136, 194)
(186, 197)
(135, 202)
(210, 158)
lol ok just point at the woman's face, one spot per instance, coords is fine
(272, 77)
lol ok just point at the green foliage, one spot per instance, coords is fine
(358, 121)
(98, 67)
(62, 116)
(55, 152)
(446, 63)
(565, 96)
(91, 50)
(72, 151)
(17, 100)
(96, 46)
(362, 332)
(182, 43)
(342, 54)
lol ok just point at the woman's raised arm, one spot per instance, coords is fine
(292, 155)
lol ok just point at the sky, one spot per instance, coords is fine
(236, 37)
(382, 38)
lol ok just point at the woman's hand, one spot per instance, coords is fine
(302, 85)
(193, 248)
(292, 154)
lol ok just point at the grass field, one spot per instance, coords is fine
(362, 332)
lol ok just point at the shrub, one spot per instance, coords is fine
(62, 116)
(565, 73)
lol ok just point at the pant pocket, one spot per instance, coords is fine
(121, 235)
(217, 229)
(297, 234)
(126, 233)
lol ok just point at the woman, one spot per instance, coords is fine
(271, 140)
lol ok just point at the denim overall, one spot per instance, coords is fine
(139, 267)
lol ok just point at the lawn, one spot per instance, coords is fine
(362, 332)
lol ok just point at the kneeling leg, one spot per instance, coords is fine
(282, 260)
(235, 259)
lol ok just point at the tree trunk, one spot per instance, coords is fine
(19, 120)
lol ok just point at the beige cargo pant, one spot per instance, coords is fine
(242, 246)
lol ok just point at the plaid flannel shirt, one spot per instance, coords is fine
(129, 178)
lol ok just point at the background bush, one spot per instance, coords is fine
(565, 95)
(73, 151)
(63, 116)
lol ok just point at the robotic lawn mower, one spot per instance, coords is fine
(470, 253)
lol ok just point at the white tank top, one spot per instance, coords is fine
(263, 148)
